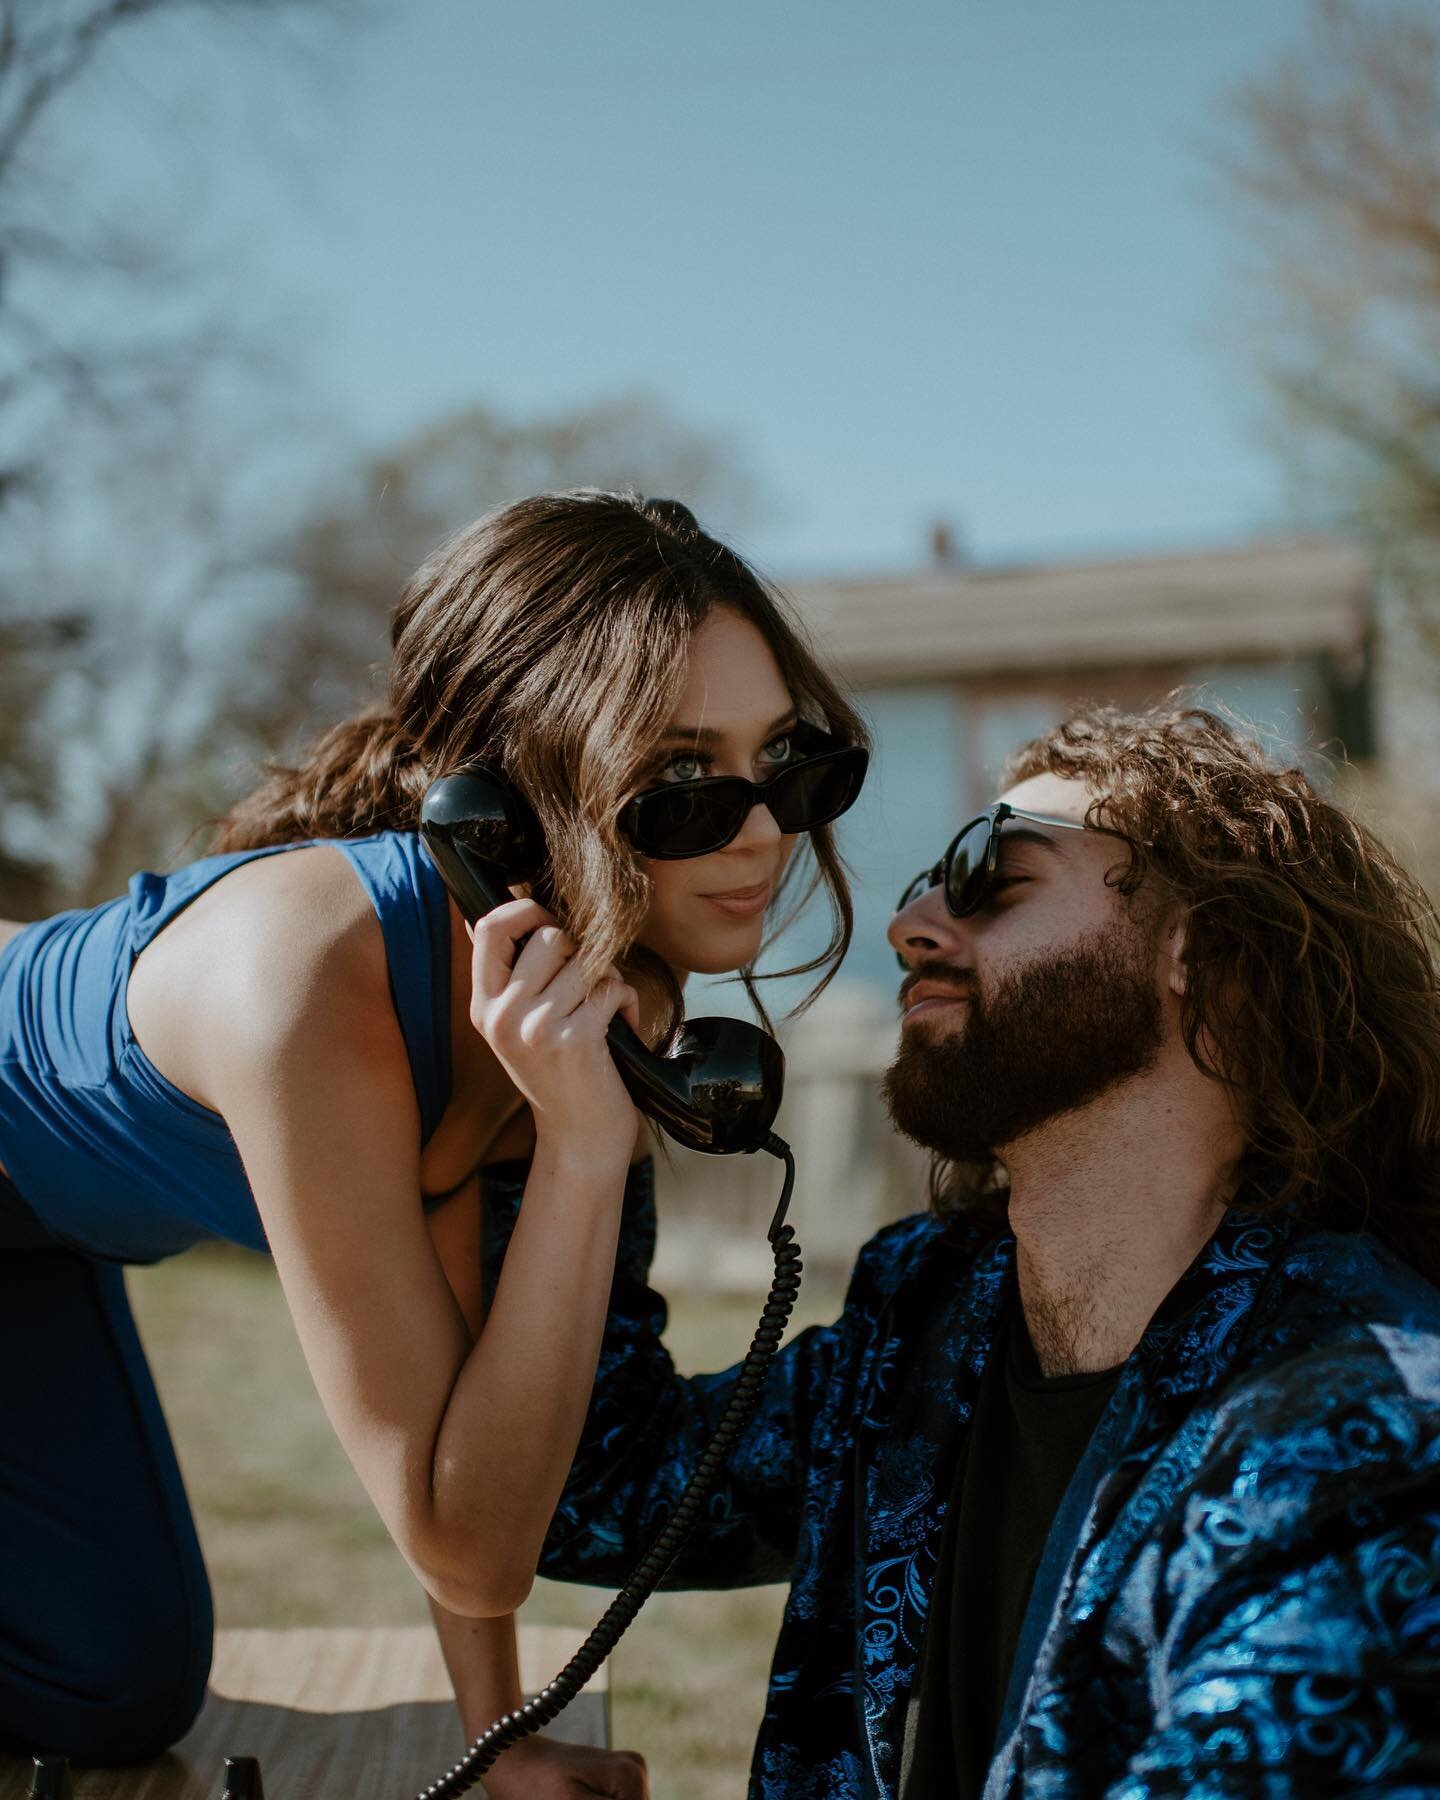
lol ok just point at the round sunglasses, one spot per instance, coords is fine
(692, 818)
(967, 869)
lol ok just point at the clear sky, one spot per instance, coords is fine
(941, 259)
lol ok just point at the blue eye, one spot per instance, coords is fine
(779, 749)
(687, 766)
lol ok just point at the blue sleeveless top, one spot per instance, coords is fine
(109, 1156)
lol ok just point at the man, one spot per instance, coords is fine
(1120, 1472)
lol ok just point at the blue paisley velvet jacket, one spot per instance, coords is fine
(1240, 1594)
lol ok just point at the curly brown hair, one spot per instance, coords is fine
(1312, 989)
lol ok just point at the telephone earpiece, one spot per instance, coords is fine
(720, 1088)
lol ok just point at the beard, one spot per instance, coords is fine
(1054, 1036)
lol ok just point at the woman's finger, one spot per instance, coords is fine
(629, 1010)
(569, 987)
(540, 962)
(498, 941)
(623, 1776)
(609, 999)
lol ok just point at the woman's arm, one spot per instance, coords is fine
(481, 1655)
(647, 1426)
(463, 1448)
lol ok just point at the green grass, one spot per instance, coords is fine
(291, 1538)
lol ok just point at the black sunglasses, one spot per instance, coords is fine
(967, 868)
(692, 818)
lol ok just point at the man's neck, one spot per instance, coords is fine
(1110, 1205)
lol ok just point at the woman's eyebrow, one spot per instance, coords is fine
(702, 734)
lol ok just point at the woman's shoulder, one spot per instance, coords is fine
(304, 902)
(305, 898)
(267, 937)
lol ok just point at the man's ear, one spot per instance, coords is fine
(1172, 954)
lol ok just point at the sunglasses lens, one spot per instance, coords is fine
(692, 818)
(815, 792)
(688, 818)
(965, 875)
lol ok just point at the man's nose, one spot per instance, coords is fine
(927, 928)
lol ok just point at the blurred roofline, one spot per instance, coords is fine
(1268, 600)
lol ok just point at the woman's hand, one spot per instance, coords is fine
(530, 1003)
(541, 1768)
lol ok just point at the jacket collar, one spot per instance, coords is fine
(1201, 1325)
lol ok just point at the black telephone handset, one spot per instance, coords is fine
(719, 1091)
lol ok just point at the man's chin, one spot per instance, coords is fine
(919, 1086)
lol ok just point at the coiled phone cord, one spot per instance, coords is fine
(535, 1714)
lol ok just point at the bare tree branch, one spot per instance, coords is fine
(1330, 159)
(106, 421)
(56, 58)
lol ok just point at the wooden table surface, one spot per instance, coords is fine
(332, 1714)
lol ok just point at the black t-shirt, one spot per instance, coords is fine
(1027, 1434)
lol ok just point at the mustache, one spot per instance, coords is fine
(934, 970)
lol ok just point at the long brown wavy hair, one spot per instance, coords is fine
(551, 638)
(1311, 987)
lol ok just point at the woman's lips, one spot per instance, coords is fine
(741, 903)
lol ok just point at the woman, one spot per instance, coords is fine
(305, 1052)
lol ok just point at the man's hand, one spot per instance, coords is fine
(542, 1768)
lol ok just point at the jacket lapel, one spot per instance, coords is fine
(932, 1348)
